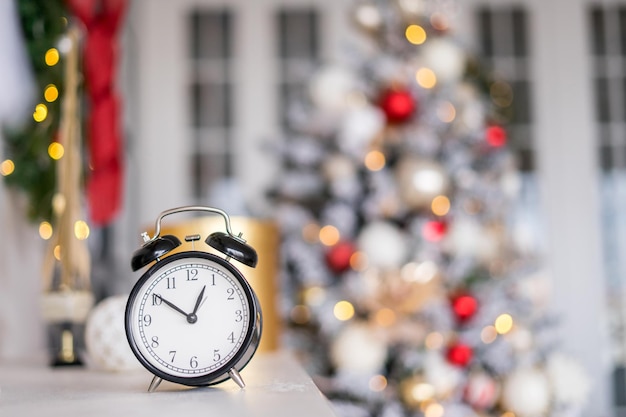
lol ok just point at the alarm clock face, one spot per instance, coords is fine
(191, 318)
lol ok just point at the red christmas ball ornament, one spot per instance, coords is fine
(338, 256)
(434, 230)
(398, 105)
(464, 306)
(495, 136)
(459, 354)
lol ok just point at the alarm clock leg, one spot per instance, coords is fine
(234, 374)
(156, 381)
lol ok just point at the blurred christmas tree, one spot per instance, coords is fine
(406, 292)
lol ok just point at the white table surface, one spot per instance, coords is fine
(276, 386)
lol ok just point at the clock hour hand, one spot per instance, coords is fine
(175, 307)
(192, 318)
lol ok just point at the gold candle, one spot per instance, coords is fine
(264, 238)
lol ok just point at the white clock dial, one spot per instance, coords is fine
(191, 317)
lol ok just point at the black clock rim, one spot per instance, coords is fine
(212, 377)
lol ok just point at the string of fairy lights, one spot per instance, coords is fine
(56, 151)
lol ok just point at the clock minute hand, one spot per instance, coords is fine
(175, 307)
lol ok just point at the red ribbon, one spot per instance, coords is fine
(102, 20)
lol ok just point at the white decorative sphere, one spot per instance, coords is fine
(359, 349)
(330, 88)
(420, 180)
(443, 376)
(570, 383)
(359, 127)
(526, 392)
(384, 245)
(445, 58)
(481, 391)
(105, 337)
(368, 16)
(468, 238)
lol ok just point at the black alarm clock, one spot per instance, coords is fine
(192, 318)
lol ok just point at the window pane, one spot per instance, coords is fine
(210, 36)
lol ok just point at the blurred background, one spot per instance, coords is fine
(207, 91)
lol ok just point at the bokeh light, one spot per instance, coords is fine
(378, 383)
(45, 230)
(52, 57)
(375, 160)
(56, 150)
(7, 167)
(440, 205)
(81, 230)
(40, 113)
(343, 310)
(504, 323)
(426, 78)
(415, 34)
(329, 235)
(488, 334)
(51, 93)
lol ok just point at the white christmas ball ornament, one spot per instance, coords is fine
(443, 376)
(359, 127)
(526, 392)
(330, 88)
(481, 391)
(384, 245)
(468, 238)
(105, 337)
(368, 17)
(420, 180)
(570, 383)
(445, 58)
(359, 349)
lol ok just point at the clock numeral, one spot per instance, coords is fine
(231, 293)
(171, 283)
(216, 355)
(173, 354)
(193, 362)
(147, 320)
(192, 275)
(155, 342)
(238, 316)
(156, 300)
(231, 337)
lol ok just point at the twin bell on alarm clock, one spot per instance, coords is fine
(192, 317)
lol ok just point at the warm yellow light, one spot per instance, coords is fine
(81, 230)
(446, 112)
(329, 235)
(434, 340)
(488, 334)
(7, 167)
(52, 57)
(422, 392)
(385, 317)
(358, 261)
(375, 160)
(314, 296)
(40, 113)
(508, 414)
(45, 230)
(426, 78)
(378, 383)
(434, 410)
(58, 203)
(343, 310)
(415, 34)
(504, 323)
(440, 205)
(57, 252)
(56, 150)
(51, 93)
(300, 314)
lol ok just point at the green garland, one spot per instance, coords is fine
(43, 23)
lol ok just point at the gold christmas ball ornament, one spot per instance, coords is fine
(420, 181)
(414, 391)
